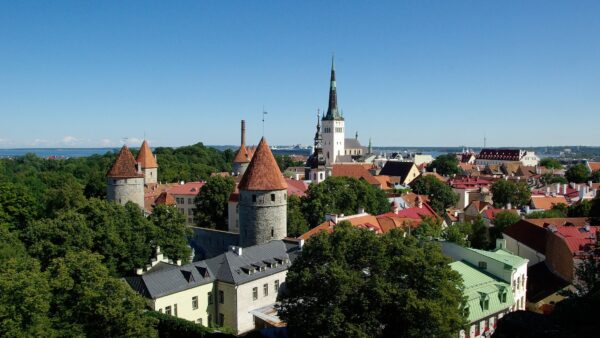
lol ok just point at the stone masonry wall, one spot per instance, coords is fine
(126, 189)
(262, 220)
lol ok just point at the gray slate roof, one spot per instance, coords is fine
(352, 143)
(171, 278)
(227, 267)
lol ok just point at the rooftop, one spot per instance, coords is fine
(145, 156)
(263, 172)
(124, 166)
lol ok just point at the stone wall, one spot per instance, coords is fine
(123, 190)
(209, 243)
(263, 216)
(150, 175)
(240, 168)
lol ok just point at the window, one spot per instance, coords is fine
(266, 290)
(167, 310)
(221, 319)
(254, 293)
(272, 232)
(194, 302)
(484, 302)
(272, 197)
(276, 285)
(191, 212)
(221, 297)
(210, 299)
(175, 309)
(253, 198)
(466, 311)
(190, 201)
(483, 265)
(199, 321)
(159, 310)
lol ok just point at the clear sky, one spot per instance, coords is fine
(409, 73)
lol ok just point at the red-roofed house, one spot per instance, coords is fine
(357, 171)
(184, 195)
(593, 166)
(471, 189)
(546, 202)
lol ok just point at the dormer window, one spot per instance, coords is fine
(484, 302)
(502, 294)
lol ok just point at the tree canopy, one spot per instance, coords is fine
(440, 194)
(515, 193)
(211, 202)
(550, 163)
(354, 283)
(341, 195)
(445, 165)
(577, 173)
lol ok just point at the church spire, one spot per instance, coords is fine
(332, 110)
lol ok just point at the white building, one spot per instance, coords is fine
(489, 156)
(237, 289)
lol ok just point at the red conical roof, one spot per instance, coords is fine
(124, 166)
(263, 172)
(242, 155)
(145, 156)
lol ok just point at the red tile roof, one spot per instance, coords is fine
(357, 171)
(296, 187)
(546, 202)
(124, 165)
(499, 154)
(594, 165)
(189, 188)
(465, 182)
(165, 199)
(263, 172)
(242, 155)
(491, 213)
(145, 156)
(415, 213)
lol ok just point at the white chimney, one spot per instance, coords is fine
(361, 210)
(590, 183)
(508, 206)
(558, 188)
(236, 249)
(178, 262)
(139, 271)
(565, 188)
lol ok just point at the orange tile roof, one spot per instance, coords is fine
(410, 199)
(189, 188)
(594, 165)
(165, 199)
(357, 171)
(546, 202)
(385, 181)
(242, 155)
(124, 165)
(145, 156)
(263, 172)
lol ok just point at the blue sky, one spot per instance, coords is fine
(410, 73)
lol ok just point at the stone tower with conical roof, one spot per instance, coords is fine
(262, 199)
(125, 179)
(242, 157)
(147, 160)
(333, 125)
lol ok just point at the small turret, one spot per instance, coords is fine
(125, 180)
(148, 163)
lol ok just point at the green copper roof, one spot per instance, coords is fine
(333, 112)
(503, 256)
(478, 287)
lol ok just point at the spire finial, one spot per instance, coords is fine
(333, 61)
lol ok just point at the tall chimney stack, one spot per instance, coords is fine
(243, 132)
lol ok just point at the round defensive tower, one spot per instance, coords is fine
(148, 163)
(263, 199)
(242, 157)
(125, 180)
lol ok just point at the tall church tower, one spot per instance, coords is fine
(148, 162)
(315, 169)
(333, 125)
(263, 199)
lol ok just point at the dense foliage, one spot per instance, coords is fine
(173, 327)
(211, 202)
(341, 195)
(445, 165)
(354, 283)
(577, 173)
(550, 163)
(296, 223)
(440, 194)
(515, 193)
(191, 163)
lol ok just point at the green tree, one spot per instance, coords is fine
(501, 222)
(429, 227)
(577, 173)
(548, 179)
(595, 176)
(459, 233)
(445, 165)
(211, 202)
(171, 232)
(480, 238)
(505, 192)
(595, 209)
(342, 195)
(336, 288)
(440, 194)
(88, 301)
(550, 163)
(552, 213)
(296, 223)
(580, 209)
(17, 205)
